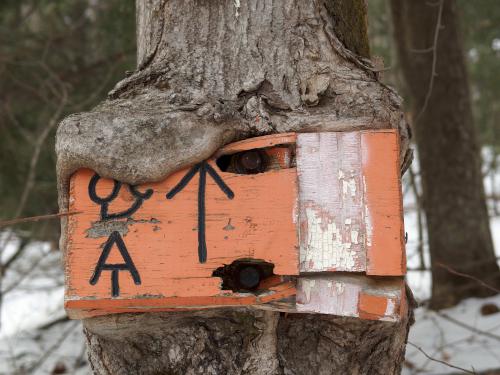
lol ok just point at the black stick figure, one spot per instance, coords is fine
(115, 239)
(105, 201)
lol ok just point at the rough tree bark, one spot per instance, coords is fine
(453, 194)
(211, 72)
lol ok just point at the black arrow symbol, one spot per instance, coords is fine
(203, 168)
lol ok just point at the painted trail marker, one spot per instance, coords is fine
(290, 222)
(202, 169)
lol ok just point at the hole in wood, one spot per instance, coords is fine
(258, 160)
(244, 275)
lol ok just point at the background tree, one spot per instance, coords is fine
(482, 41)
(56, 57)
(209, 73)
(89, 44)
(432, 59)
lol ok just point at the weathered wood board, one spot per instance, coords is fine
(350, 205)
(356, 296)
(312, 203)
(162, 240)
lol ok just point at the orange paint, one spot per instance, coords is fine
(259, 223)
(281, 157)
(258, 142)
(162, 240)
(372, 307)
(385, 235)
(85, 308)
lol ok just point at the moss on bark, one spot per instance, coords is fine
(350, 22)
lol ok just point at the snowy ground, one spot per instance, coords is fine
(460, 336)
(36, 338)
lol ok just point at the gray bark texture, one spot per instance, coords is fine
(209, 73)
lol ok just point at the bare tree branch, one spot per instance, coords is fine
(467, 276)
(468, 327)
(54, 347)
(12, 259)
(31, 219)
(434, 62)
(440, 361)
(30, 180)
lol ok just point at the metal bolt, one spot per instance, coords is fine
(251, 160)
(249, 277)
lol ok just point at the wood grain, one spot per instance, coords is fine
(352, 295)
(258, 142)
(350, 205)
(161, 238)
(330, 208)
(384, 204)
(329, 214)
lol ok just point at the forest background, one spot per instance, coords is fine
(62, 56)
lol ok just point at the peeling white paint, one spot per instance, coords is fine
(389, 310)
(354, 236)
(368, 220)
(348, 184)
(340, 295)
(349, 187)
(295, 213)
(325, 247)
(340, 288)
(331, 202)
(327, 296)
(307, 285)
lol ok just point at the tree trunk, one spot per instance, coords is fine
(240, 341)
(210, 72)
(448, 149)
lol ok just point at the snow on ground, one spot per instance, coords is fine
(33, 289)
(460, 336)
(43, 350)
(36, 338)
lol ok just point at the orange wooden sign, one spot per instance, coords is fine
(267, 222)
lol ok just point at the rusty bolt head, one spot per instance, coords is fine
(251, 160)
(249, 277)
